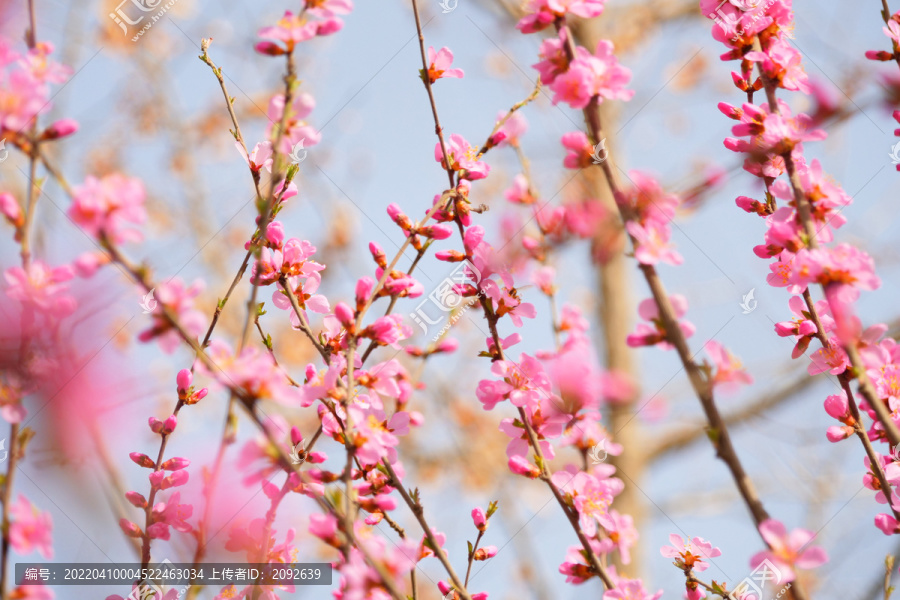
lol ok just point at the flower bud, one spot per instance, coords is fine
(59, 129)
(184, 379)
(142, 460)
(169, 426)
(175, 464)
(520, 466)
(344, 314)
(136, 499)
(486, 553)
(296, 436)
(270, 48)
(130, 529)
(450, 256)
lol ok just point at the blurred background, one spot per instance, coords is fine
(151, 109)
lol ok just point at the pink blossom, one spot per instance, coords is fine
(843, 263)
(648, 200)
(579, 150)
(769, 133)
(554, 60)
(521, 466)
(480, 520)
(252, 372)
(838, 407)
(830, 358)
(289, 30)
(588, 76)
(30, 529)
(728, 369)
(329, 8)
(169, 514)
(576, 567)
(513, 129)
(520, 192)
(439, 65)
(802, 327)
(788, 550)
(376, 434)
(654, 332)
(652, 243)
(463, 158)
(12, 390)
(104, 207)
(296, 129)
(542, 13)
(179, 299)
(22, 97)
(259, 158)
(690, 554)
(622, 536)
(591, 497)
(630, 589)
(892, 31)
(9, 208)
(522, 383)
(41, 288)
(159, 479)
(388, 331)
(782, 64)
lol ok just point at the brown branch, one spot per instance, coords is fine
(804, 212)
(419, 512)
